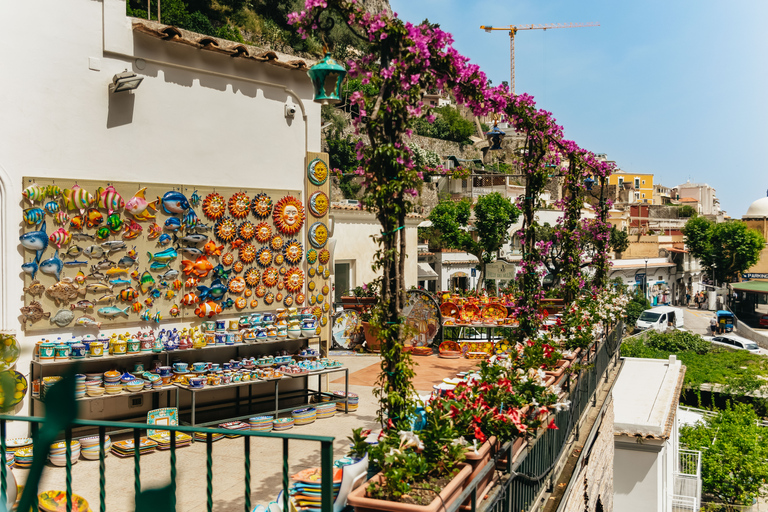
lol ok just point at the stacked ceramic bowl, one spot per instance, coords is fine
(94, 389)
(58, 454)
(353, 400)
(47, 383)
(9, 458)
(325, 410)
(112, 382)
(90, 447)
(133, 386)
(282, 424)
(23, 458)
(14, 444)
(304, 416)
(261, 423)
(79, 385)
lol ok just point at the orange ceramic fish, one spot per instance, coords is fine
(93, 218)
(137, 306)
(176, 285)
(191, 282)
(190, 298)
(211, 249)
(200, 268)
(209, 309)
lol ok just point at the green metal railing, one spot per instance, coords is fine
(165, 498)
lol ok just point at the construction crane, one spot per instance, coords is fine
(513, 30)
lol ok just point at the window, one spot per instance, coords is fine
(621, 180)
(643, 195)
(637, 182)
(344, 278)
(643, 182)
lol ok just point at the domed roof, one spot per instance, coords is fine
(758, 209)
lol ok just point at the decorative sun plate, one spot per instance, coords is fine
(277, 243)
(247, 253)
(236, 285)
(261, 205)
(247, 293)
(326, 273)
(270, 277)
(239, 204)
(280, 284)
(282, 271)
(264, 256)
(252, 276)
(279, 259)
(269, 298)
(318, 204)
(312, 271)
(312, 300)
(288, 301)
(227, 259)
(324, 256)
(238, 267)
(240, 302)
(320, 269)
(324, 320)
(317, 312)
(312, 285)
(311, 256)
(317, 172)
(300, 298)
(294, 280)
(255, 303)
(293, 251)
(318, 235)
(263, 232)
(214, 206)
(246, 231)
(225, 229)
(20, 388)
(261, 291)
(279, 297)
(288, 215)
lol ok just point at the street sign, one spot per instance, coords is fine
(640, 277)
(500, 270)
(754, 276)
(474, 272)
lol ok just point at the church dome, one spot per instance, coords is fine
(758, 209)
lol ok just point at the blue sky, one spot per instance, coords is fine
(677, 89)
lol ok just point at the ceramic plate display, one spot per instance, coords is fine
(312, 475)
(18, 442)
(311, 256)
(263, 232)
(288, 215)
(324, 257)
(421, 312)
(318, 235)
(293, 251)
(9, 350)
(318, 204)
(214, 206)
(344, 327)
(20, 383)
(56, 501)
(317, 172)
(261, 205)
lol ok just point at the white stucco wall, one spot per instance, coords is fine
(637, 480)
(198, 117)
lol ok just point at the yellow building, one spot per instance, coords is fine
(641, 183)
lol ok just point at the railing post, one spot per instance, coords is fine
(285, 474)
(102, 471)
(4, 470)
(68, 452)
(209, 469)
(247, 452)
(136, 464)
(173, 469)
(326, 475)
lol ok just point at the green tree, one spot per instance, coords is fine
(494, 214)
(734, 451)
(637, 304)
(725, 249)
(448, 125)
(619, 241)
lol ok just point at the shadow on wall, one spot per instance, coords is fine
(120, 111)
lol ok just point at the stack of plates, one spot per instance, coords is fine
(261, 423)
(58, 453)
(235, 425)
(304, 416)
(125, 448)
(9, 458)
(47, 383)
(306, 491)
(353, 399)
(112, 376)
(325, 410)
(79, 385)
(202, 436)
(283, 424)
(163, 439)
(134, 385)
(112, 382)
(23, 458)
(90, 447)
(17, 443)
(94, 376)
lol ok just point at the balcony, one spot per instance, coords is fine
(686, 492)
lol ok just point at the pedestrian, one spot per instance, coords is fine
(713, 325)
(687, 298)
(722, 325)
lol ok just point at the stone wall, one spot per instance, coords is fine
(594, 480)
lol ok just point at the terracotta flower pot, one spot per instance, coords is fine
(359, 304)
(449, 493)
(478, 461)
(371, 340)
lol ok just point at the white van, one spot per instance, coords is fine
(660, 318)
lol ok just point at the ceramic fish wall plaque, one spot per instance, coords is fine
(35, 241)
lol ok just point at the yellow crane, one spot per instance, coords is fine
(513, 30)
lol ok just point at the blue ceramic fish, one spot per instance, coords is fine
(173, 224)
(112, 311)
(34, 216)
(194, 252)
(163, 256)
(35, 241)
(126, 262)
(191, 220)
(170, 275)
(53, 266)
(30, 268)
(174, 202)
(119, 282)
(194, 199)
(146, 315)
(164, 239)
(52, 207)
(220, 272)
(215, 292)
(74, 263)
(154, 293)
(227, 303)
(157, 266)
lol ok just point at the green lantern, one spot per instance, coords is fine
(327, 76)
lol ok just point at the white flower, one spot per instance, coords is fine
(563, 406)
(408, 439)
(460, 442)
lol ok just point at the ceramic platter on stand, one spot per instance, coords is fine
(344, 327)
(422, 312)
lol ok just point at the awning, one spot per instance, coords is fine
(751, 286)
(426, 272)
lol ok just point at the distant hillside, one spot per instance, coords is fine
(263, 23)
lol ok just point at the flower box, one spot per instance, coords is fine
(359, 304)
(449, 493)
(477, 461)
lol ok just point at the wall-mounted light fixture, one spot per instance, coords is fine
(125, 81)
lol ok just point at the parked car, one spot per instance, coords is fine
(660, 318)
(763, 322)
(736, 342)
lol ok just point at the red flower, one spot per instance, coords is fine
(552, 424)
(479, 434)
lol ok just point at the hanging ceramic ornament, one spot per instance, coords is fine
(288, 215)
(277, 243)
(264, 256)
(263, 232)
(317, 172)
(311, 256)
(294, 280)
(261, 205)
(225, 229)
(239, 204)
(270, 277)
(324, 257)
(318, 235)
(318, 204)
(247, 253)
(293, 251)
(252, 276)
(214, 206)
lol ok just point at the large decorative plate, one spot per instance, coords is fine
(449, 310)
(318, 235)
(317, 172)
(56, 501)
(261, 205)
(20, 388)
(493, 313)
(9, 350)
(318, 204)
(288, 215)
(470, 313)
(422, 313)
(293, 251)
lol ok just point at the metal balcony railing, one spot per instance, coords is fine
(687, 480)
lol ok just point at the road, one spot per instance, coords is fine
(697, 320)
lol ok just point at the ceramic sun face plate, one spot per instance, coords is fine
(214, 206)
(293, 251)
(318, 235)
(294, 280)
(318, 204)
(225, 229)
(246, 231)
(239, 204)
(263, 232)
(261, 205)
(317, 172)
(311, 256)
(288, 215)
(324, 257)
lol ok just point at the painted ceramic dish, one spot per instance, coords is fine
(225, 229)
(324, 257)
(326, 273)
(277, 243)
(236, 285)
(493, 313)
(311, 256)
(261, 206)
(288, 215)
(239, 204)
(18, 442)
(294, 280)
(238, 267)
(279, 259)
(318, 204)
(20, 388)
(264, 256)
(318, 235)
(247, 293)
(324, 320)
(279, 297)
(252, 276)
(227, 259)
(300, 298)
(344, 327)
(269, 298)
(293, 251)
(270, 276)
(56, 501)
(263, 232)
(288, 301)
(9, 350)
(317, 172)
(283, 270)
(240, 302)
(470, 313)
(449, 310)
(214, 206)
(317, 312)
(312, 271)
(246, 231)
(261, 291)
(312, 285)
(247, 253)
